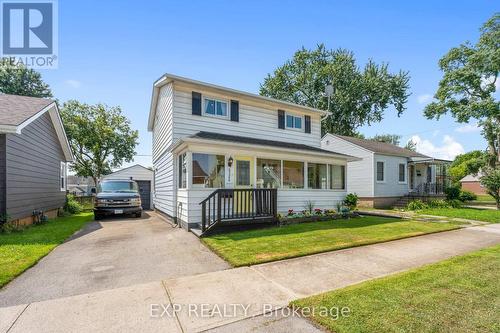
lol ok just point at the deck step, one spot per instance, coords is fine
(196, 231)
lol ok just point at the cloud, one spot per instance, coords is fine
(424, 99)
(448, 150)
(469, 128)
(73, 83)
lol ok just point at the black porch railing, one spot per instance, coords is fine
(232, 205)
(428, 189)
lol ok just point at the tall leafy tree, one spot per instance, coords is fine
(19, 80)
(467, 89)
(411, 145)
(465, 164)
(360, 95)
(491, 181)
(100, 137)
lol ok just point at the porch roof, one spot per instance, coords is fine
(428, 160)
(279, 145)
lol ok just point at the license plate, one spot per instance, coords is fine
(118, 211)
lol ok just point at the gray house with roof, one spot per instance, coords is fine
(385, 173)
(34, 153)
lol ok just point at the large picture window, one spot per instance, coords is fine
(337, 177)
(208, 170)
(316, 176)
(293, 174)
(268, 173)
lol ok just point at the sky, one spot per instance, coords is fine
(112, 52)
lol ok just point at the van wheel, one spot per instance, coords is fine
(97, 217)
(138, 214)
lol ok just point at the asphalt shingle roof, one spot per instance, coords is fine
(381, 147)
(262, 142)
(14, 109)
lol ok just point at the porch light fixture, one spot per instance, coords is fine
(230, 161)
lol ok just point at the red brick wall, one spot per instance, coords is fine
(473, 187)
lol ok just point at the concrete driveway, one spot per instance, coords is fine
(113, 253)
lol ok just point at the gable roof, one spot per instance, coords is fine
(380, 147)
(17, 112)
(263, 142)
(167, 78)
(472, 178)
(128, 169)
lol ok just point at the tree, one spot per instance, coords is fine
(491, 181)
(387, 138)
(411, 145)
(466, 164)
(100, 138)
(19, 80)
(360, 97)
(469, 83)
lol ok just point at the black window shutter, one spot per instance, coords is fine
(196, 103)
(235, 110)
(281, 119)
(307, 125)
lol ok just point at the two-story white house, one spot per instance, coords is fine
(223, 154)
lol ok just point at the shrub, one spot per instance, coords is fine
(455, 203)
(351, 200)
(452, 192)
(467, 196)
(72, 206)
(438, 204)
(417, 205)
(329, 211)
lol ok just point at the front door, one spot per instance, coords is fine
(243, 179)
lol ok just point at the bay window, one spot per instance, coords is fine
(268, 173)
(337, 177)
(316, 176)
(293, 174)
(208, 170)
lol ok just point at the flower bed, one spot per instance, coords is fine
(316, 215)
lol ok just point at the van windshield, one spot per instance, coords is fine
(119, 187)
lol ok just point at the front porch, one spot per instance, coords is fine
(226, 182)
(428, 177)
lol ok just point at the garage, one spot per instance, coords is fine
(145, 191)
(144, 178)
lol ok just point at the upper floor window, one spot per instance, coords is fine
(215, 107)
(293, 121)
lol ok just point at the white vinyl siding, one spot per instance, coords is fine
(165, 193)
(391, 186)
(254, 122)
(360, 176)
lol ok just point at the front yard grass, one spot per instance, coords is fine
(485, 198)
(20, 250)
(257, 246)
(456, 295)
(485, 215)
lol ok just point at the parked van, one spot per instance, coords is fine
(117, 197)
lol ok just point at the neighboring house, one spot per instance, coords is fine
(471, 183)
(144, 178)
(387, 172)
(80, 186)
(34, 152)
(252, 155)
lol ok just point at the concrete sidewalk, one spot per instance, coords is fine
(237, 298)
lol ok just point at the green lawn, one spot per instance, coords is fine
(22, 249)
(485, 198)
(465, 213)
(457, 295)
(270, 244)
